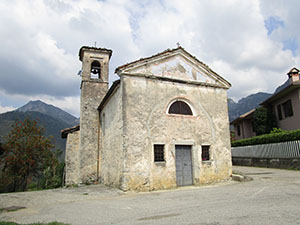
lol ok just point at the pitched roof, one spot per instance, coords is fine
(111, 90)
(246, 115)
(167, 52)
(289, 88)
(65, 132)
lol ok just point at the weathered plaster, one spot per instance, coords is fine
(116, 145)
(111, 139)
(147, 124)
(72, 159)
(176, 67)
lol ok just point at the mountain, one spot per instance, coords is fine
(52, 126)
(235, 109)
(50, 110)
(50, 117)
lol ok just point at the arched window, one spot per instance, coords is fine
(95, 70)
(180, 107)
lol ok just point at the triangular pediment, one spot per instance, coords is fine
(174, 64)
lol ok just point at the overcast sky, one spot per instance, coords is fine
(252, 44)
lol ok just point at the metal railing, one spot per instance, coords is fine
(290, 149)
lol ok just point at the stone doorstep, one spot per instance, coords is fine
(238, 176)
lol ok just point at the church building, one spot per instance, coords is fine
(163, 124)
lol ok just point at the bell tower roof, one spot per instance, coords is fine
(94, 49)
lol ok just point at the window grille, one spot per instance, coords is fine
(159, 153)
(205, 153)
(180, 107)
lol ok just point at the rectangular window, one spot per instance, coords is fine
(239, 130)
(159, 153)
(279, 112)
(205, 153)
(288, 108)
(253, 126)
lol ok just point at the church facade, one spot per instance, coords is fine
(163, 124)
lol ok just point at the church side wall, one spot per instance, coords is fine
(146, 123)
(111, 139)
(71, 158)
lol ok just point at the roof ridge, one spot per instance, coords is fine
(146, 58)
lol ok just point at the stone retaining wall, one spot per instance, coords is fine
(290, 163)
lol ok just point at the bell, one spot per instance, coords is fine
(95, 70)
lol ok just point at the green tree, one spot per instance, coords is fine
(264, 121)
(26, 156)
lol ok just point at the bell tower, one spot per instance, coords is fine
(94, 85)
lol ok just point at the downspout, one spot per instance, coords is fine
(98, 147)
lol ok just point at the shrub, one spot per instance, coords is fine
(275, 137)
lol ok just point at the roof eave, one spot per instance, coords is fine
(105, 50)
(122, 69)
(281, 93)
(170, 79)
(111, 90)
(66, 131)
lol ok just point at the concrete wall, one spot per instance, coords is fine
(72, 159)
(293, 122)
(111, 139)
(146, 123)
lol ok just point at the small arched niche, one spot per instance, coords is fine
(95, 70)
(180, 107)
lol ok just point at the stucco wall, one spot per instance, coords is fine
(293, 122)
(72, 159)
(111, 139)
(245, 128)
(146, 123)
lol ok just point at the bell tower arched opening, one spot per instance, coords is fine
(95, 70)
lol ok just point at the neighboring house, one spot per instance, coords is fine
(163, 124)
(244, 126)
(285, 103)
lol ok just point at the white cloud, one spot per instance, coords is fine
(4, 109)
(228, 34)
(40, 41)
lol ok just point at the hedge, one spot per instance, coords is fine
(269, 138)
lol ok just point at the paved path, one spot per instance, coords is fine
(273, 197)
